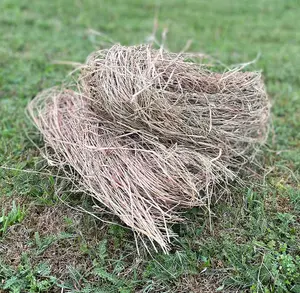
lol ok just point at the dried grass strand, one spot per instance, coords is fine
(148, 133)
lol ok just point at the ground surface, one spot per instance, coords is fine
(47, 247)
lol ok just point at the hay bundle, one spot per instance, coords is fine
(150, 133)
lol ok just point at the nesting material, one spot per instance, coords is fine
(149, 133)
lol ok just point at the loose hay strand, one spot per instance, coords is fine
(148, 133)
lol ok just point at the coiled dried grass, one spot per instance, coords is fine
(149, 132)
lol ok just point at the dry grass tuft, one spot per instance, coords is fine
(148, 133)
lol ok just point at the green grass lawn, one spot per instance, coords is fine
(45, 246)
